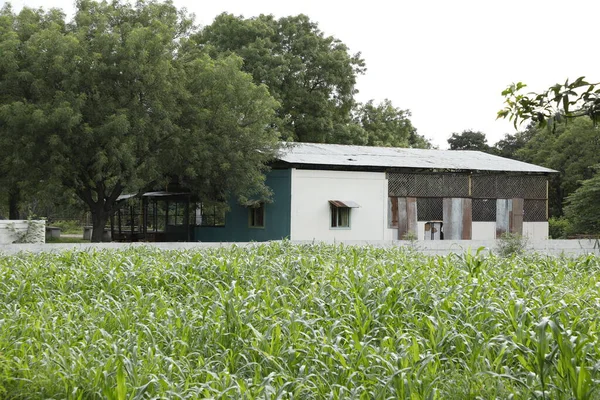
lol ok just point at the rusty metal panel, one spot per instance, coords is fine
(344, 203)
(452, 219)
(457, 218)
(411, 214)
(402, 218)
(467, 216)
(516, 219)
(407, 216)
(503, 210)
(393, 212)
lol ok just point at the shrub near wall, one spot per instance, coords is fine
(22, 231)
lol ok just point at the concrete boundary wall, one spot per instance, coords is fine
(33, 231)
(443, 247)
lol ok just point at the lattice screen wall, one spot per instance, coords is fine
(428, 185)
(482, 188)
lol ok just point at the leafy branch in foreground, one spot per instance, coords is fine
(558, 103)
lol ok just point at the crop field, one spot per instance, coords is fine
(298, 321)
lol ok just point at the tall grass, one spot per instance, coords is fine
(292, 321)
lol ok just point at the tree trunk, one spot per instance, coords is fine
(99, 219)
(101, 207)
(13, 202)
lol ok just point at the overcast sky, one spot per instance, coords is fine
(446, 61)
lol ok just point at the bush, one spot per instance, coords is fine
(511, 244)
(559, 228)
(68, 226)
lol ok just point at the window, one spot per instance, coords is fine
(340, 212)
(212, 214)
(256, 215)
(340, 217)
(176, 212)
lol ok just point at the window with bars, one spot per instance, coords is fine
(213, 214)
(256, 215)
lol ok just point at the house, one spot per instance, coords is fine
(339, 192)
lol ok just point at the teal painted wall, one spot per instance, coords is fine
(277, 216)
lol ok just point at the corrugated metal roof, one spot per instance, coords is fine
(366, 156)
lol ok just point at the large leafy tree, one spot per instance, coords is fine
(20, 86)
(511, 144)
(572, 149)
(119, 102)
(388, 126)
(571, 110)
(583, 208)
(312, 76)
(468, 140)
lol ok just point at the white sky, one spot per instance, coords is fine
(446, 61)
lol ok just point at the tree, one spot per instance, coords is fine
(468, 140)
(127, 105)
(583, 207)
(18, 82)
(313, 76)
(511, 144)
(559, 102)
(572, 149)
(388, 126)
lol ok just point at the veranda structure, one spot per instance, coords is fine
(154, 217)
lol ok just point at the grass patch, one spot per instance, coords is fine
(70, 227)
(297, 321)
(64, 239)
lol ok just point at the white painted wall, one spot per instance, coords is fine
(483, 230)
(311, 192)
(391, 234)
(536, 230)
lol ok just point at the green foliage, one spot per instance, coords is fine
(561, 101)
(583, 207)
(511, 244)
(311, 75)
(67, 226)
(297, 321)
(559, 227)
(388, 126)
(119, 100)
(469, 140)
(572, 149)
(511, 144)
(63, 239)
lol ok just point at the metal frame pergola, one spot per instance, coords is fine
(153, 217)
